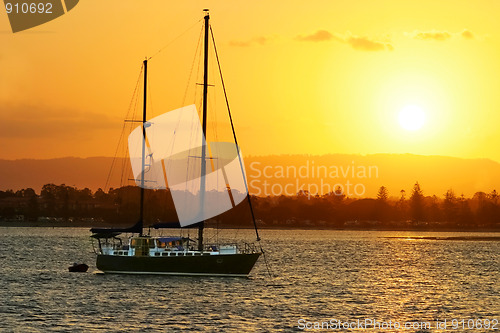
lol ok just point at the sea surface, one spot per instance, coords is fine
(318, 279)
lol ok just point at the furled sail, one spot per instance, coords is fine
(173, 158)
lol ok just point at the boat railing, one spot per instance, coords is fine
(241, 247)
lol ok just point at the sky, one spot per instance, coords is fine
(315, 77)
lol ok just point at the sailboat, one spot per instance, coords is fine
(204, 179)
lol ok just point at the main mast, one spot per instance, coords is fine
(204, 146)
(143, 165)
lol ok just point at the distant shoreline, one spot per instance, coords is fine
(28, 224)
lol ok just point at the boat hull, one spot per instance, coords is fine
(238, 265)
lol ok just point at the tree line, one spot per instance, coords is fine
(412, 210)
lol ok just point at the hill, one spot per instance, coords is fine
(358, 175)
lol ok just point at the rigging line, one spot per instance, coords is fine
(122, 132)
(150, 98)
(198, 70)
(173, 40)
(194, 134)
(265, 261)
(196, 55)
(213, 105)
(130, 115)
(127, 177)
(114, 159)
(192, 66)
(234, 136)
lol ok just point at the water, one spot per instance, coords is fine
(319, 276)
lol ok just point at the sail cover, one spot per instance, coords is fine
(174, 146)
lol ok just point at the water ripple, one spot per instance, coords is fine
(318, 276)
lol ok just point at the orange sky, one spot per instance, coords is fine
(303, 77)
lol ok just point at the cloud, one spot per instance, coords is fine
(256, 40)
(356, 42)
(432, 35)
(318, 36)
(441, 35)
(467, 34)
(365, 44)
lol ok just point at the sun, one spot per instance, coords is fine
(411, 118)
